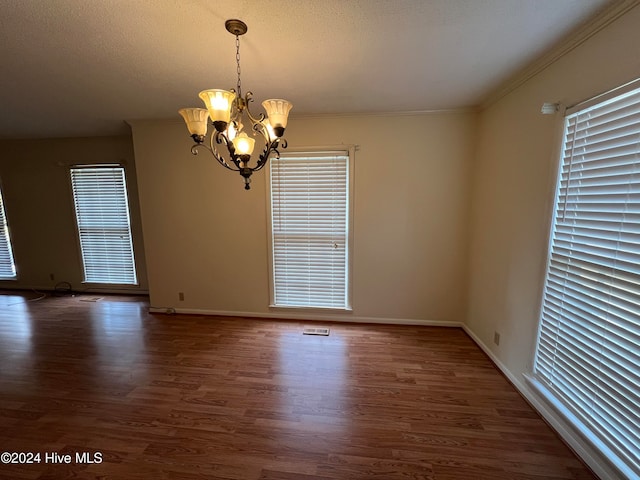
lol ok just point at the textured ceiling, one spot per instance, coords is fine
(83, 67)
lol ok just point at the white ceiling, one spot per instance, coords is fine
(83, 67)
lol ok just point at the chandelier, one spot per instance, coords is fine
(231, 119)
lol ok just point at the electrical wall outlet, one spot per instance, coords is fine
(496, 338)
(52, 276)
(181, 296)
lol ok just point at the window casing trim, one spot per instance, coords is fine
(602, 97)
(350, 150)
(118, 286)
(599, 446)
(10, 252)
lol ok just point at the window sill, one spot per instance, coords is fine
(574, 427)
(311, 309)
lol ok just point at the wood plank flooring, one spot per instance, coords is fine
(190, 397)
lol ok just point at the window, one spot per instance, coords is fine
(588, 352)
(7, 265)
(310, 229)
(102, 215)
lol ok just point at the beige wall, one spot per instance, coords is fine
(34, 176)
(206, 236)
(513, 187)
(514, 181)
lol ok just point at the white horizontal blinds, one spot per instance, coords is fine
(309, 200)
(102, 213)
(589, 345)
(7, 264)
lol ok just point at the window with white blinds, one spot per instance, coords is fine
(102, 215)
(588, 352)
(7, 264)
(310, 229)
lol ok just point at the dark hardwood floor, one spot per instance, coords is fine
(190, 397)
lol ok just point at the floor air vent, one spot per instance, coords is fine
(316, 331)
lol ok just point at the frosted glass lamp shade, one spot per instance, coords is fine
(269, 129)
(196, 120)
(218, 103)
(278, 113)
(234, 128)
(243, 144)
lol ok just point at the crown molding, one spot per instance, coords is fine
(400, 113)
(607, 16)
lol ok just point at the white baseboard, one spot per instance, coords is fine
(306, 316)
(598, 463)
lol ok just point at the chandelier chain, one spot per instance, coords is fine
(238, 63)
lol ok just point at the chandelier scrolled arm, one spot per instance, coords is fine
(269, 149)
(225, 111)
(213, 151)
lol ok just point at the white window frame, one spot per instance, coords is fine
(275, 300)
(587, 360)
(101, 206)
(7, 260)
